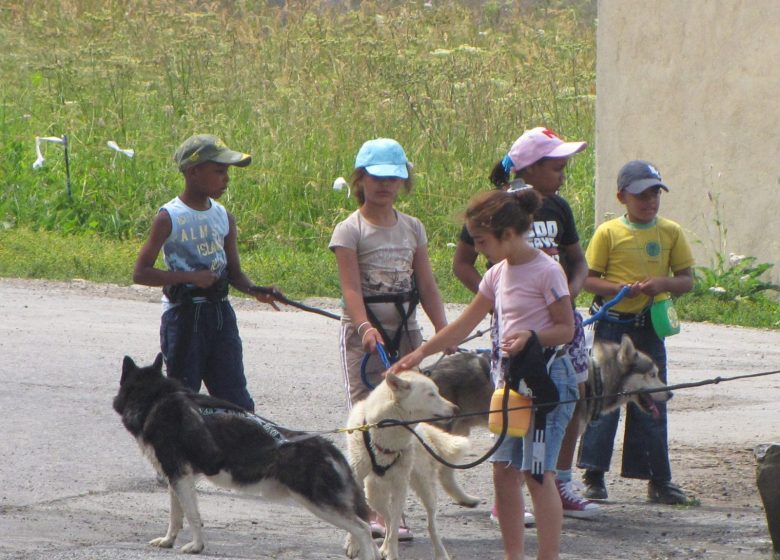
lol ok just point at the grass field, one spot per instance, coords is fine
(300, 87)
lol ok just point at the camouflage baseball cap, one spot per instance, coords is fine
(201, 148)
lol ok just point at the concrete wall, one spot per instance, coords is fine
(694, 87)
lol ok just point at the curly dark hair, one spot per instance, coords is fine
(495, 211)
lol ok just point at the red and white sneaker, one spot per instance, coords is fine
(575, 505)
(528, 517)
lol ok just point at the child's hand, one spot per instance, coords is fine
(515, 342)
(635, 290)
(370, 339)
(411, 360)
(269, 298)
(653, 286)
(203, 278)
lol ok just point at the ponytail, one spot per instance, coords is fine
(500, 174)
(496, 211)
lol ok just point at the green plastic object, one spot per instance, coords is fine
(664, 318)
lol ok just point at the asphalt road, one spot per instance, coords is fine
(74, 486)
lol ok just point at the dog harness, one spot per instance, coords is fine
(378, 469)
(412, 297)
(268, 427)
(595, 393)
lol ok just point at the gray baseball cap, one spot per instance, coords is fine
(201, 148)
(637, 176)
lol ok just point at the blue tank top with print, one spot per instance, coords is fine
(197, 239)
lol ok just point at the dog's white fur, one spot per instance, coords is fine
(164, 441)
(184, 503)
(407, 396)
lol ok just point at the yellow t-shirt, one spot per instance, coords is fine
(624, 253)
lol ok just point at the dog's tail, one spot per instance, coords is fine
(361, 505)
(448, 446)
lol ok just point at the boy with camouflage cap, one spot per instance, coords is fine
(198, 332)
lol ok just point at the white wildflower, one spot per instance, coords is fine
(469, 49)
(451, 245)
(718, 290)
(340, 183)
(734, 259)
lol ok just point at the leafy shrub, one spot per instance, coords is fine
(734, 278)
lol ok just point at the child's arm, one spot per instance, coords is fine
(430, 298)
(450, 335)
(144, 271)
(597, 285)
(236, 276)
(352, 292)
(680, 283)
(561, 332)
(576, 267)
(463, 266)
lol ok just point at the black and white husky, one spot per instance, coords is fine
(186, 435)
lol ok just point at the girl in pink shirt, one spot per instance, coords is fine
(530, 293)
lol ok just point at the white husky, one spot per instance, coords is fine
(388, 460)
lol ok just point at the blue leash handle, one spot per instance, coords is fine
(601, 314)
(380, 349)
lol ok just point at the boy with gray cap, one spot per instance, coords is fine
(198, 333)
(651, 255)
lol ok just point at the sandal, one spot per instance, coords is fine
(377, 530)
(404, 533)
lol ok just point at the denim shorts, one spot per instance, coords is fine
(517, 451)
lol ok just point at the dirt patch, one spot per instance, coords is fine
(75, 487)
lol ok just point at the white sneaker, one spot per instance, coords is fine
(575, 505)
(528, 517)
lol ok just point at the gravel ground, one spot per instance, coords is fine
(74, 485)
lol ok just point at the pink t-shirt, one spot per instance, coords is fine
(523, 292)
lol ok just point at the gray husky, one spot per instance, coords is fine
(464, 379)
(185, 435)
(616, 369)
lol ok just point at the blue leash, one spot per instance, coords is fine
(380, 349)
(601, 314)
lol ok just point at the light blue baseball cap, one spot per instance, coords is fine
(383, 157)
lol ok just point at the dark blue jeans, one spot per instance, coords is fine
(645, 446)
(200, 344)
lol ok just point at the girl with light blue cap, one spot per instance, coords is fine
(384, 271)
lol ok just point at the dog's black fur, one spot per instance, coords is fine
(186, 434)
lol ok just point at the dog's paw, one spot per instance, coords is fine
(469, 501)
(192, 548)
(351, 548)
(162, 542)
(386, 552)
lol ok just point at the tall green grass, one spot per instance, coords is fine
(300, 87)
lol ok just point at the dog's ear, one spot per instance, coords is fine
(627, 350)
(158, 362)
(128, 365)
(396, 383)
